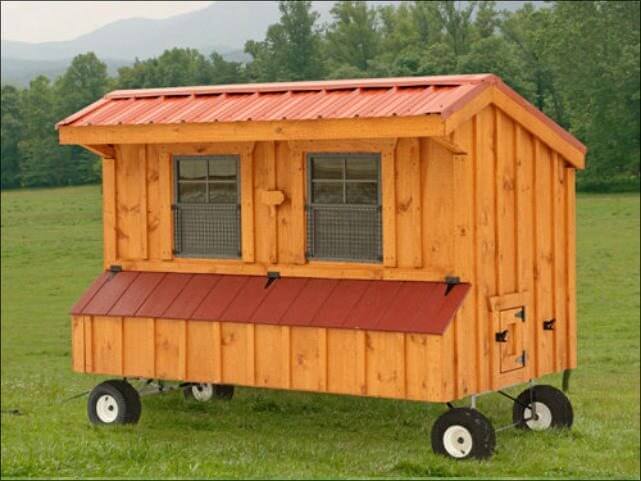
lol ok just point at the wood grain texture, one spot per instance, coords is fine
(78, 343)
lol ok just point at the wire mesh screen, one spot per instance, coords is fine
(202, 230)
(344, 232)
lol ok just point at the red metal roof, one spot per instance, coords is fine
(399, 306)
(327, 99)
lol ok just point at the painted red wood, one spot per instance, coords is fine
(282, 294)
(163, 295)
(137, 293)
(109, 293)
(397, 306)
(219, 298)
(308, 302)
(190, 297)
(337, 308)
(91, 291)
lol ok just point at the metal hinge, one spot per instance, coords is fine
(451, 281)
(520, 315)
(522, 359)
(271, 277)
(115, 268)
(549, 324)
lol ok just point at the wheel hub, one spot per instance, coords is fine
(202, 392)
(457, 441)
(540, 419)
(107, 408)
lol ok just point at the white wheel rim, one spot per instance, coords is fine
(107, 408)
(203, 392)
(457, 441)
(541, 419)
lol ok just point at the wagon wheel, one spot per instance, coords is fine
(552, 409)
(204, 392)
(463, 433)
(114, 402)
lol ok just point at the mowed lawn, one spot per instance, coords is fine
(51, 251)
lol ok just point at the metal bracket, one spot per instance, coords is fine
(451, 281)
(271, 277)
(522, 358)
(549, 325)
(520, 315)
(115, 268)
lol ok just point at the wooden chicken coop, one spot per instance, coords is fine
(409, 238)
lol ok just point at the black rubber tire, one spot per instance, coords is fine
(126, 397)
(555, 400)
(221, 392)
(480, 428)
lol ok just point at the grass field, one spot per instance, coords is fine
(51, 248)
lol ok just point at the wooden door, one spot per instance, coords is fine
(511, 339)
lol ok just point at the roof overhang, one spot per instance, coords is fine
(456, 108)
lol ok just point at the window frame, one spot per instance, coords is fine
(310, 204)
(177, 204)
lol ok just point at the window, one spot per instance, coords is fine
(344, 211)
(207, 208)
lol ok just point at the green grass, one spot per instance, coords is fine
(51, 249)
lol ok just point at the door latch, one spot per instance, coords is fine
(501, 336)
(522, 359)
(549, 325)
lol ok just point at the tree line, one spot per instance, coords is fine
(576, 61)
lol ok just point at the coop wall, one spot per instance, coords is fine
(500, 216)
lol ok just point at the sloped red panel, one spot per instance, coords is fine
(397, 306)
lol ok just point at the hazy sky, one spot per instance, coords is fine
(48, 21)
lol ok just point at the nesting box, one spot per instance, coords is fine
(408, 238)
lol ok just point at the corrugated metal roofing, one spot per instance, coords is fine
(399, 306)
(331, 99)
(367, 98)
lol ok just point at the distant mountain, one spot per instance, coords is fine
(223, 26)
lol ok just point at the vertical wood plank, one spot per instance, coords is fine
(297, 202)
(234, 349)
(570, 192)
(247, 204)
(268, 349)
(107, 345)
(525, 235)
(385, 364)
(138, 346)
(435, 374)
(465, 318)
(142, 212)
(251, 353)
(416, 367)
(286, 356)
(544, 260)
(109, 203)
(560, 264)
(505, 201)
(200, 353)
(305, 359)
(154, 236)
(484, 172)
(388, 194)
(165, 201)
(288, 239)
(170, 349)
(437, 179)
(343, 361)
(78, 343)
(361, 362)
(408, 204)
(89, 350)
(217, 352)
(322, 359)
(265, 221)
